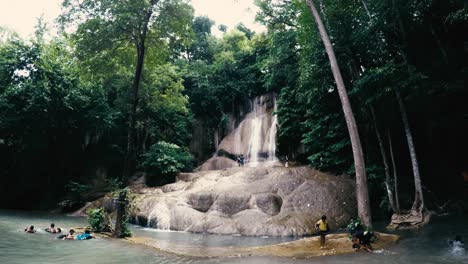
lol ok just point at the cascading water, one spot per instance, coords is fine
(254, 137)
(272, 136)
(263, 122)
(159, 217)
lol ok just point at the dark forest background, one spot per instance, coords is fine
(68, 104)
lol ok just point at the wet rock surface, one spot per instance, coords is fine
(265, 201)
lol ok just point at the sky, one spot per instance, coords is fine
(21, 15)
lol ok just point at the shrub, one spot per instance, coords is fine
(96, 219)
(163, 161)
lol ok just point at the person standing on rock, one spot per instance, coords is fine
(240, 160)
(323, 228)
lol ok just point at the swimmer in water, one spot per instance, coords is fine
(70, 235)
(458, 247)
(30, 230)
(52, 229)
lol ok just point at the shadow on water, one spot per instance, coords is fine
(428, 245)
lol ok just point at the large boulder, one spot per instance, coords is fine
(218, 163)
(265, 201)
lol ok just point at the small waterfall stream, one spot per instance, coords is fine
(254, 137)
(272, 136)
(262, 143)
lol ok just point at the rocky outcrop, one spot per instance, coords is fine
(217, 163)
(272, 201)
(262, 201)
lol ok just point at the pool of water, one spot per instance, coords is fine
(429, 245)
(208, 240)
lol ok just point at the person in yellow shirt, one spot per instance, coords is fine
(322, 226)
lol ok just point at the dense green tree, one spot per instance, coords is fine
(50, 120)
(106, 25)
(382, 47)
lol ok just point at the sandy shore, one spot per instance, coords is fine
(302, 248)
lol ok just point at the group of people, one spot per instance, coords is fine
(361, 239)
(70, 236)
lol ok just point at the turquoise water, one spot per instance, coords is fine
(429, 245)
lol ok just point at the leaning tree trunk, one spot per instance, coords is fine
(362, 193)
(395, 175)
(385, 162)
(419, 198)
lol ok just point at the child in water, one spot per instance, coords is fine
(52, 229)
(70, 235)
(30, 230)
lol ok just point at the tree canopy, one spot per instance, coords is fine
(127, 82)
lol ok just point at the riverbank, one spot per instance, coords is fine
(337, 244)
(428, 244)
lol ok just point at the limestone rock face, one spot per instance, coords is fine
(218, 163)
(262, 201)
(271, 201)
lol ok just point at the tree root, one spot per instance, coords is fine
(410, 219)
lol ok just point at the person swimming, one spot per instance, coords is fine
(85, 236)
(457, 241)
(457, 244)
(70, 235)
(52, 229)
(30, 229)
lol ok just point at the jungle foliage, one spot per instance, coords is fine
(75, 104)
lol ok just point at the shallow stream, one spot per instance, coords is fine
(429, 245)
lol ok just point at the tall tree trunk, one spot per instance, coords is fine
(130, 157)
(362, 193)
(395, 175)
(121, 212)
(385, 162)
(364, 3)
(418, 203)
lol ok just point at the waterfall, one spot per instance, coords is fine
(256, 136)
(159, 217)
(272, 136)
(262, 143)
